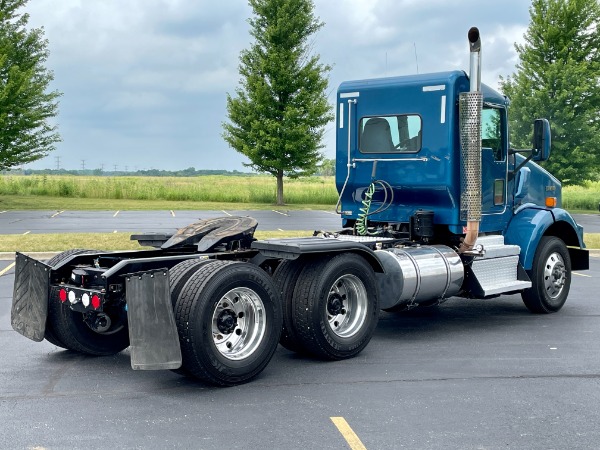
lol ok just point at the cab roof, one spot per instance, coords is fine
(453, 78)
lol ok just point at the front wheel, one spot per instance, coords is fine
(336, 306)
(550, 277)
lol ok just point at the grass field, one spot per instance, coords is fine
(104, 241)
(211, 188)
(204, 192)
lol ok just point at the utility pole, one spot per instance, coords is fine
(83, 164)
(57, 159)
(115, 166)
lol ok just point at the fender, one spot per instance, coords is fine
(531, 222)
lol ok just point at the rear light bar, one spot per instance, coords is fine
(81, 299)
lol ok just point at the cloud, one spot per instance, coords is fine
(145, 81)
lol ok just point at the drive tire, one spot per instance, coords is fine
(49, 333)
(336, 306)
(286, 277)
(550, 277)
(178, 276)
(208, 318)
(69, 329)
(181, 273)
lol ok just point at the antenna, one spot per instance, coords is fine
(416, 57)
(385, 73)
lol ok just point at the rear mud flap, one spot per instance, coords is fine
(152, 329)
(30, 297)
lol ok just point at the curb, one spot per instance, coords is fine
(10, 256)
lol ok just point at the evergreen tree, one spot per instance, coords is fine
(278, 116)
(25, 104)
(558, 78)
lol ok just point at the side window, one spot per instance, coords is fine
(390, 134)
(491, 131)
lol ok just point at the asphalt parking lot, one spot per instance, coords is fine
(469, 374)
(25, 222)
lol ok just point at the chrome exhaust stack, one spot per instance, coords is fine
(470, 105)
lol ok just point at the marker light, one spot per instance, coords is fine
(62, 295)
(72, 298)
(95, 301)
(551, 202)
(85, 299)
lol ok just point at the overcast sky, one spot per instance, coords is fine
(144, 82)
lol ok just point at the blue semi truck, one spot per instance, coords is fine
(434, 204)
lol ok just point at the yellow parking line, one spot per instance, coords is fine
(26, 233)
(115, 214)
(348, 434)
(581, 274)
(7, 268)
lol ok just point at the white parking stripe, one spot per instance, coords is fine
(223, 211)
(115, 214)
(7, 268)
(26, 233)
(56, 214)
(173, 213)
(279, 212)
(581, 274)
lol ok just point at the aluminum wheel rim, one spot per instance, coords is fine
(350, 291)
(239, 323)
(555, 275)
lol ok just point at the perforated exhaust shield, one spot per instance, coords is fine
(470, 104)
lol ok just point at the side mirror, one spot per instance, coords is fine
(541, 140)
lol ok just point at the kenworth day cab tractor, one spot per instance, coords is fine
(434, 204)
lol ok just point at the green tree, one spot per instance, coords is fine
(558, 77)
(278, 116)
(26, 105)
(327, 167)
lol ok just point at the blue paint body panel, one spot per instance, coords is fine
(432, 183)
(429, 177)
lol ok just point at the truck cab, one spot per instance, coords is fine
(406, 132)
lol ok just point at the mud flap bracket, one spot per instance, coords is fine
(152, 329)
(30, 297)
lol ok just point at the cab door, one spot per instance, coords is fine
(494, 169)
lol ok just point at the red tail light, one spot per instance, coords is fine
(62, 295)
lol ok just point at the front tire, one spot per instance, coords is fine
(336, 306)
(229, 320)
(550, 277)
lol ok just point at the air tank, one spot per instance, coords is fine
(419, 275)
